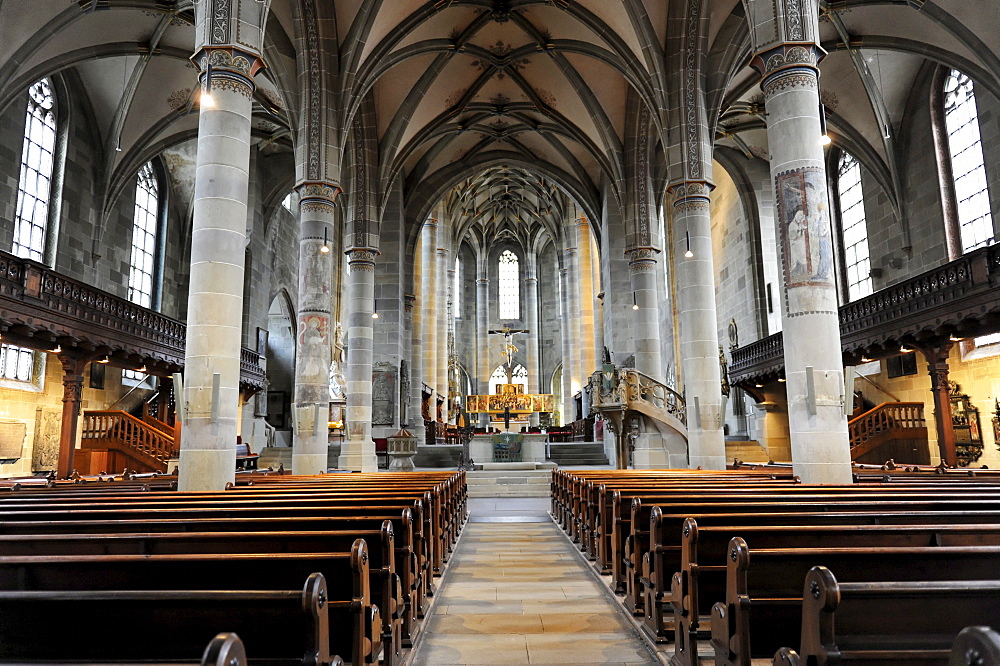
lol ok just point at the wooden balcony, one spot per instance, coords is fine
(40, 309)
(958, 299)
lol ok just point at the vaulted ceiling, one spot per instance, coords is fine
(461, 87)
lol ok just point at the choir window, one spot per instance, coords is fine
(510, 286)
(145, 236)
(962, 122)
(852, 216)
(499, 376)
(31, 221)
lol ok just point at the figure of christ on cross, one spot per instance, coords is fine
(508, 349)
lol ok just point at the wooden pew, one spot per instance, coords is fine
(889, 622)
(145, 626)
(386, 586)
(975, 644)
(704, 551)
(764, 600)
(354, 622)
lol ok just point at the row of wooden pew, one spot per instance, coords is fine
(750, 561)
(303, 569)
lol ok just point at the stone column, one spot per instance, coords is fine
(450, 345)
(415, 364)
(567, 332)
(484, 370)
(699, 336)
(813, 363)
(531, 322)
(315, 324)
(441, 320)
(598, 303)
(428, 289)
(215, 288)
(72, 366)
(937, 366)
(585, 259)
(646, 320)
(358, 452)
(572, 295)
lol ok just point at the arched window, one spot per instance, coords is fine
(35, 184)
(962, 122)
(145, 236)
(456, 289)
(31, 219)
(499, 376)
(852, 216)
(510, 286)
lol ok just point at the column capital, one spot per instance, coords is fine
(362, 259)
(232, 68)
(787, 65)
(641, 259)
(318, 195)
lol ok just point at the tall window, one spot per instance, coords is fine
(852, 215)
(145, 225)
(35, 184)
(962, 122)
(31, 219)
(499, 376)
(456, 290)
(510, 286)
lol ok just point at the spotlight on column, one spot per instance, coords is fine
(903, 349)
(326, 243)
(57, 349)
(106, 359)
(687, 238)
(207, 101)
(824, 138)
(374, 315)
(635, 306)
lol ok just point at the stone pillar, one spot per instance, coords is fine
(567, 332)
(415, 421)
(441, 319)
(937, 366)
(315, 324)
(215, 288)
(72, 366)
(454, 382)
(428, 242)
(813, 363)
(595, 276)
(358, 452)
(699, 336)
(484, 370)
(585, 260)
(531, 322)
(646, 320)
(572, 296)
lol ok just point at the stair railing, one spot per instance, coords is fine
(884, 418)
(118, 429)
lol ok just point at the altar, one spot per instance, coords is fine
(532, 447)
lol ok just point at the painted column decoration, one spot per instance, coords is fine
(218, 246)
(788, 64)
(699, 336)
(315, 327)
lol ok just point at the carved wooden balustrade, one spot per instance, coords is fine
(958, 299)
(630, 390)
(40, 307)
(890, 420)
(120, 431)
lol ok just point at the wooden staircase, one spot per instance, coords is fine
(113, 440)
(895, 430)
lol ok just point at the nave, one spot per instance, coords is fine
(516, 593)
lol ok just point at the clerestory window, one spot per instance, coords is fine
(852, 215)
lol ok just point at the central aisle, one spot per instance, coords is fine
(516, 593)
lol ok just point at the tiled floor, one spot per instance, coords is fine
(516, 593)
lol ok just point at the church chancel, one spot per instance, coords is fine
(511, 409)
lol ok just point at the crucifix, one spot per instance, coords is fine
(508, 349)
